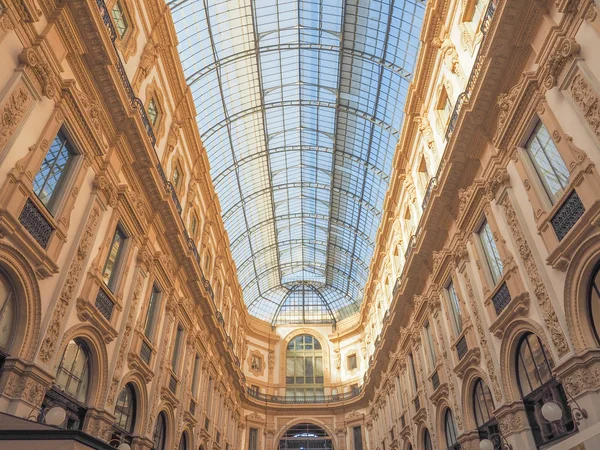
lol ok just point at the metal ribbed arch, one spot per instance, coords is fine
(300, 108)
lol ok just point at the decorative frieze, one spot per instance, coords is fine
(588, 102)
(73, 276)
(12, 112)
(540, 291)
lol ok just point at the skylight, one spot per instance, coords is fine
(300, 106)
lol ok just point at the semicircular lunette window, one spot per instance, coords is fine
(305, 436)
(300, 107)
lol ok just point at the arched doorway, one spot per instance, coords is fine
(305, 436)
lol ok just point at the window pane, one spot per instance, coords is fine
(153, 309)
(455, 309)
(119, 19)
(491, 252)
(53, 170)
(548, 162)
(112, 261)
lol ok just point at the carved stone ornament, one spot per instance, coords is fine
(33, 58)
(566, 48)
(103, 184)
(545, 303)
(51, 337)
(12, 112)
(125, 340)
(588, 102)
(256, 363)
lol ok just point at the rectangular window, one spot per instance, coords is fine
(119, 19)
(413, 372)
(478, 10)
(195, 376)
(352, 362)
(548, 162)
(177, 348)
(399, 387)
(353, 387)
(50, 178)
(430, 346)
(152, 313)
(209, 397)
(357, 437)
(253, 439)
(454, 306)
(491, 252)
(113, 260)
(255, 388)
(152, 112)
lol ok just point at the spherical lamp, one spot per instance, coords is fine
(55, 416)
(486, 444)
(551, 412)
(124, 446)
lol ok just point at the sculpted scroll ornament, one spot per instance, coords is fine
(12, 112)
(550, 317)
(68, 290)
(580, 380)
(588, 101)
(489, 363)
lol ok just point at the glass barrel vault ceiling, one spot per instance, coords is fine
(300, 106)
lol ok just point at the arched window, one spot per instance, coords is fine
(450, 431)
(483, 409)
(70, 388)
(73, 372)
(183, 442)
(160, 432)
(7, 315)
(594, 302)
(427, 445)
(304, 368)
(125, 415)
(538, 386)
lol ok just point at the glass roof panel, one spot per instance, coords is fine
(300, 106)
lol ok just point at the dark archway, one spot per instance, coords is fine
(305, 436)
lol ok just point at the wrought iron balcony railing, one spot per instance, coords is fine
(289, 400)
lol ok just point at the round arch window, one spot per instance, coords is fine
(427, 445)
(74, 372)
(483, 410)
(125, 410)
(304, 368)
(594, 302)
(183, 443)
(305, 436)
(160, 433)
(450, 431)
(538, 386)
(8, 310)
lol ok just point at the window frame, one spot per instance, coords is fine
(545, 190)
(450, 430)
(594, 287)
(454, 305)
(153, 312)
(55, 199)
(131, 414)
(493, 276)
(124, 17)
(160, 426)
(352, 357)
(70, 375)
(115, 272)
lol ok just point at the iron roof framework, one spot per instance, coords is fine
(300, 105)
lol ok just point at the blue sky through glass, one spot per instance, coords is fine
(300, 106)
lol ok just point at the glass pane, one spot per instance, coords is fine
(112, 260)
(52, 170)
(308, 367)
(491, 252)
(290, 366)
(455, 309)
(548, 162)
(119, 19)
